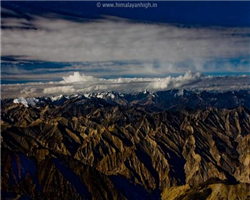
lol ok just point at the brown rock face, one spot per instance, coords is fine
(98, 150)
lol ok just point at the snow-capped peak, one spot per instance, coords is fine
(87, 95)
(105, 95)
(56, 98)
(112, 96)
(100, 96)
(26, 102)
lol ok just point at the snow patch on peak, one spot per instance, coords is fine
(121, 94)
(105, 95)
(180, 92)
(26, 102)
(21, 100)
(100, 96)
(153, 94)
(56, 98)
(87, 95)
(112, 96)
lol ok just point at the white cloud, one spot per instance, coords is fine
(28, 90)
(77, 77)
(60, 89)
(91, 83)
(175, 82)
(79, 83)
(104, 40)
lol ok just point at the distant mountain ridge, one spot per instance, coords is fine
(169, 99)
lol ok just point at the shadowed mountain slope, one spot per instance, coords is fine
(143, 146)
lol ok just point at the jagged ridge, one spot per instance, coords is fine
(128, 148)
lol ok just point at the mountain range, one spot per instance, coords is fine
(173, 144)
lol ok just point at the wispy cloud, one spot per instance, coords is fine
(77, 77)
(28, 90)
(175, 82)
(175, 49)
(59, 90)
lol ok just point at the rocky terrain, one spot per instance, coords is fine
(164, 145)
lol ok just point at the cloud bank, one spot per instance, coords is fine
(60, 89)
(80, 83)
(77, 77)
(175, 82)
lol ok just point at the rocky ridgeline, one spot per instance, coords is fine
(134, 146)
(157, 101)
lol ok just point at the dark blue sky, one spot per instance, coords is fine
(213, 13)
